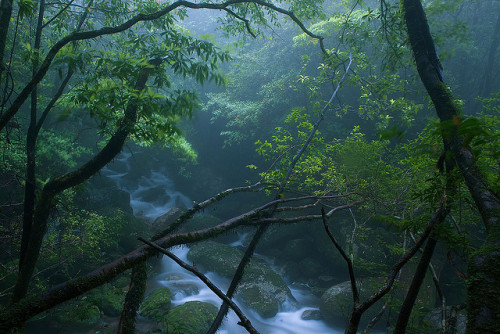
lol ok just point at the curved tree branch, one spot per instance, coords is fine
(244, 320)
(78, 36)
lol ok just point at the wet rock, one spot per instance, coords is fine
(178, 284)
(190, 318)
(336, 302)
(157, 304)
(259, 299)
(311, 315)
(261, 288)
(105, 194)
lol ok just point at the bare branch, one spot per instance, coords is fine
(354, 289)
(244, 320)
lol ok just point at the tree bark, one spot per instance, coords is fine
(52, 188)
(133, 299)
(483, 295)
(31, 139)
(5, 14)
(416, 283)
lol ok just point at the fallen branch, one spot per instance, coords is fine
(16, 314)
(244, 320)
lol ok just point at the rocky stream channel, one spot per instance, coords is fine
(291, 286)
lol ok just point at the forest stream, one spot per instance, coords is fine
(187, 287)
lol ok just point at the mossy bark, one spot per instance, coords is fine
(133, 299)
(483, 289)
(58, 185)
(483, 293)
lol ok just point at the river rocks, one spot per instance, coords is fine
(258, 299)
(178, 284)
(261, 288)
(190, 318)
(311, 315)
(157, 304)
(336, 302)
(104, 195)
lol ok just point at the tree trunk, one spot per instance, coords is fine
(483, 294)
(416, 283)
(31, 139)
(52, 188)
(133, 299)
(5, 14)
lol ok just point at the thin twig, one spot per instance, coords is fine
(354, 289)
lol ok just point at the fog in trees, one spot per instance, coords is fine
(249, 166)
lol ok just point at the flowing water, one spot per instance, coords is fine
(153, 196)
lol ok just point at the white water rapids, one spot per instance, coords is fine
(187, 287)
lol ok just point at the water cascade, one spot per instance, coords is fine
(154, 195)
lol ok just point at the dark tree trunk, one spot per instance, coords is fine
(483, 294)
(5, 14)
(133, 299)
(416, 283)
(56, 186)
(31, 139)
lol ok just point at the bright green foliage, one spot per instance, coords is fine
(109, 87)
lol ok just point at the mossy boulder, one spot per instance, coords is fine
(109, 299)
(336, 302)
(80, 313)
(157, 304)
(258, 299)
(190, 318)
(261, 288)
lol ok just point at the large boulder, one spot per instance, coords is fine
(336, 303)
(261, 288)
(157, 304)
(190, 318)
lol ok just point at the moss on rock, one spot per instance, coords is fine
(336, 302)
(157, 304)
(190, 318)
(262, 289)
(81, 312)
(259, 300)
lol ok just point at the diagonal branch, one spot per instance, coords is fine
(354, 288)
(437, 217)
(244, 320)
